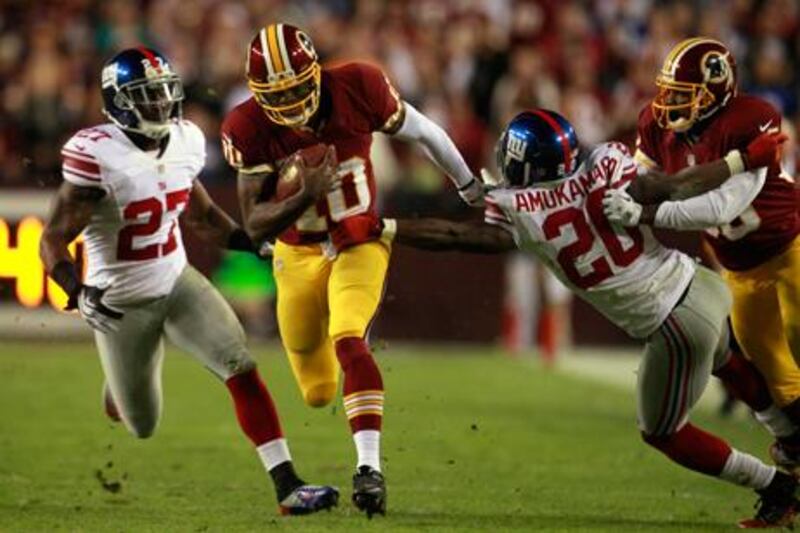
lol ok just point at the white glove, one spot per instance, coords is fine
(472, 193)
(97, 314)
(620, 208)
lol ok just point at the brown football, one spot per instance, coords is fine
(289, 175)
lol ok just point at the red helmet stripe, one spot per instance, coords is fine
(553, 123)
(150, 57)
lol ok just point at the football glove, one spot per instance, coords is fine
(95, 312)
(472, 192)
(620, 208)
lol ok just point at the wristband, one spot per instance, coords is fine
(462, 188)
(735, 162)
(389, 229)
(240, 240)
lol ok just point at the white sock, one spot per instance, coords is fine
(776, 421)
(744, 469)
(273, 453)
(368, 447)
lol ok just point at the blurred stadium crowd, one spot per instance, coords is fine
(469, 64)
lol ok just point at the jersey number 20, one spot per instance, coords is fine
(585, 237)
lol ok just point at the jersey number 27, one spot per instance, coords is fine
(154, 211)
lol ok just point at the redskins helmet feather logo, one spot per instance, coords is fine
(717, 68)
(305, 42)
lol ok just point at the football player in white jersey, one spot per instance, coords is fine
(126, 185)
(550, 203)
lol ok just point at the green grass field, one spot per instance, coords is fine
(473, 441)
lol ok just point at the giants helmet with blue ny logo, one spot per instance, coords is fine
(141, 92)
(537, 146)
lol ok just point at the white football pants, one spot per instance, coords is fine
(681, 354)
(196, 318)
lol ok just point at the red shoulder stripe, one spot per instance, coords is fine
(79, 164)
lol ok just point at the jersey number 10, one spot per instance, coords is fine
(350, 197)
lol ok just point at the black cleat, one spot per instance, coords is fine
(777, 505)
(369, 491)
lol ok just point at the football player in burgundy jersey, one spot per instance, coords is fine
(328, 291)
(696, 117)
(126, 185)
(549, 202)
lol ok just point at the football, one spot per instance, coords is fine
(288, 183)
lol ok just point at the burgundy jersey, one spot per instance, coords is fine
(772, 221)
(356, 101)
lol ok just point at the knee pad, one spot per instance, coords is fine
(319, 395)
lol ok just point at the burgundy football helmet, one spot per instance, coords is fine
(284, 74)
(697, 79)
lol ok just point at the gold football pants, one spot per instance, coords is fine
(766, 320)
(321, 301)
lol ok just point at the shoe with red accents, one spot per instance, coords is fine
(307, 499)
(777, 504)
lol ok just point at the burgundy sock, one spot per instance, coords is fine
(363, 385)
(693, 448)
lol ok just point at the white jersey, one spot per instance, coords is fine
(625, 273)
(133, 240)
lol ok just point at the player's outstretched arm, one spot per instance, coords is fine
(441, 235)
(70, 213)
(207, 219)
(264, 221)
(416, 127)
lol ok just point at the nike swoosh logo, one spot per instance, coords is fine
(764, 127)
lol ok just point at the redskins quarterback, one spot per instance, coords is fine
(329, 289)
(698, 116)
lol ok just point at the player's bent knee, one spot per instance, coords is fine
(320, 395)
